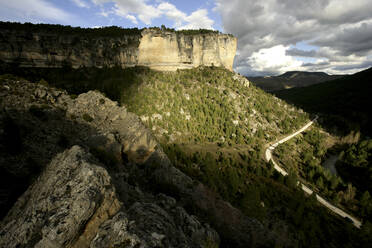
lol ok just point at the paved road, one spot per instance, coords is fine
(321, 200)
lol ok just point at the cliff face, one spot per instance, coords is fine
(157, 49)
(170, 51)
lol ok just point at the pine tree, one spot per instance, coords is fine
(319, 183)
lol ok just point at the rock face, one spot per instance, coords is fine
(85, 172)
(154, 48)
(74, 204)
(73, 194)
(164, 50)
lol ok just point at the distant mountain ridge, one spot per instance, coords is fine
(297, 74)
(291, 79)
(347, 97)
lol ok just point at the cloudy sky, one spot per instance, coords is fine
(274, 36)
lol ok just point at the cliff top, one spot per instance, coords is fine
(111, 31)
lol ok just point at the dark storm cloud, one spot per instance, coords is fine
(320, 64)
(342, 29)
(302, 53)
(349, 40)
(365, 64)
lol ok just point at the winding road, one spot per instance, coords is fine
(321, 200)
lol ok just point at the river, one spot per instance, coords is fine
(330, 164)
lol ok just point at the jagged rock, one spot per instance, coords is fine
(72, 203)
(64, 207)
(116, 232)
(241, 79)
(158, 224)
(155, 224)
(139, 172)
(137, 142)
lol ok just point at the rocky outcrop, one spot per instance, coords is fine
(85, 172)
(154, 48)
(74, 204)
(241, 79)
(65, 206)
(80, 199)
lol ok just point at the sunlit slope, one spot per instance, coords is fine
(210, 105)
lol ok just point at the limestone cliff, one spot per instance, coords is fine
(158, 49)
(164, 50)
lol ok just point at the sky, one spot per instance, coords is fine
(274, 36)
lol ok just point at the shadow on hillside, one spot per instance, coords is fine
(343, 104)
(28, 142)
(116, 83)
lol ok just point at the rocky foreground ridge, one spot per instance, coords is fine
(83, 172)
(157, 49)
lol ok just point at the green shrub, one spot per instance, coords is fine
(209, 243)
(87, 117)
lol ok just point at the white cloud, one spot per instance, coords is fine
(32, 11)
(145, 12)
(132, 18)
(80, 3)
(172, 13)
(106, 13)
(198, 19)
(274, 59)
(340, 30)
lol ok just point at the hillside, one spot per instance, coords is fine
(291, 79)
(214, 125)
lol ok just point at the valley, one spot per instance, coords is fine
(149, 138)
(268, 157)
